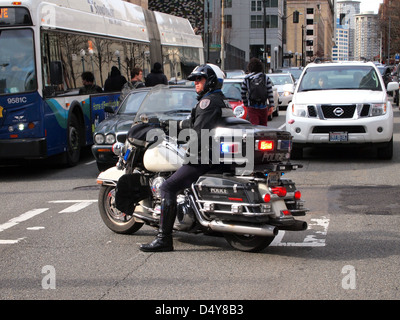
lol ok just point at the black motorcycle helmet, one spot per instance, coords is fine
(213, 74)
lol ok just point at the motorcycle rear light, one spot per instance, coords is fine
(297, 195)
(229, 147)
(265, 145)
(235, 199)
(286, 212)
(279, 191)
(267, 197)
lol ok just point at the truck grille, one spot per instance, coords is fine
(337, 111)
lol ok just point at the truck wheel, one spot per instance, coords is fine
(296, 153)
(386, 152)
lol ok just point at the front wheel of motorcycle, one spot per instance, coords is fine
(114, 219)
(248, 243)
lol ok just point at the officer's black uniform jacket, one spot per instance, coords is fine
(207, 114)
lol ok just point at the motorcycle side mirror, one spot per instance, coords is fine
(143, 118)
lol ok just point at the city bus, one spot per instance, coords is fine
(46, 46)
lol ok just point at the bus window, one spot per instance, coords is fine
(17, 67)
(66, 56)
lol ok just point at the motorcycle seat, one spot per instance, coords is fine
(230, 121)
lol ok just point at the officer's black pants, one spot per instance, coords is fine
(183, 178)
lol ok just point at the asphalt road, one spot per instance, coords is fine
(54, 246)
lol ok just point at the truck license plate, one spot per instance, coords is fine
(338, 137)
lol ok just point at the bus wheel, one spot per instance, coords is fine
(73, 142)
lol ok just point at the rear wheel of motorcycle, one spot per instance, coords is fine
(248, 243)
(114, 219)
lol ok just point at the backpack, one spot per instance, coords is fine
(258, 89)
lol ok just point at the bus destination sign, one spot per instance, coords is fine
(14, 17)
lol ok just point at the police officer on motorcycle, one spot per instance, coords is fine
(207, 114)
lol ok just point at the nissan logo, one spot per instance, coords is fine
(338, 112)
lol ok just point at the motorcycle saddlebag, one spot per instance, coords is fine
(131, 189)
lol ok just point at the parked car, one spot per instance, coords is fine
(284, 83)
(179, 99)
(396, 78)
(341, 104)
(232, 91)
(386, 72)
(295, 71)
(234, 73)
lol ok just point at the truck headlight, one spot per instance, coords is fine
(299, 110)
(377, 109)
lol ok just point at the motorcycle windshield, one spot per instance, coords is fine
(17, 61)
(166, 103)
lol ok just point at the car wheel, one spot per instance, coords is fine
(386, 152)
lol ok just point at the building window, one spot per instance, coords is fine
(256, 6)
(310, 10)
(228, 21)
(257, 21)
(228, 3)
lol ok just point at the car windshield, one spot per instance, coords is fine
(132, 102)
(340, 78)
(17, 63)
(234, 73)
(296, 73)
(164, 102)
(232, 90)
(381, 69)
(280, 79)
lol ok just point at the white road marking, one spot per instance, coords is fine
(78, 205)
(11, 241)
(35, 228)
(23, 217)
(14, 221)
(318, 226)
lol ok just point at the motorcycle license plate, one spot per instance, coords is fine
(338, 137)
(273, 177)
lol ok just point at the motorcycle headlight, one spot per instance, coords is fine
(299, 110)
(377, 109)
(99, 138)
(110, 138)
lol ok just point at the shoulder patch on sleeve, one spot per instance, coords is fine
(204, 103)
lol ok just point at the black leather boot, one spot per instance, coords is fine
(163, 240)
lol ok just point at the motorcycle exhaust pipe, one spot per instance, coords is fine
(263, 230)
(296, 226)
